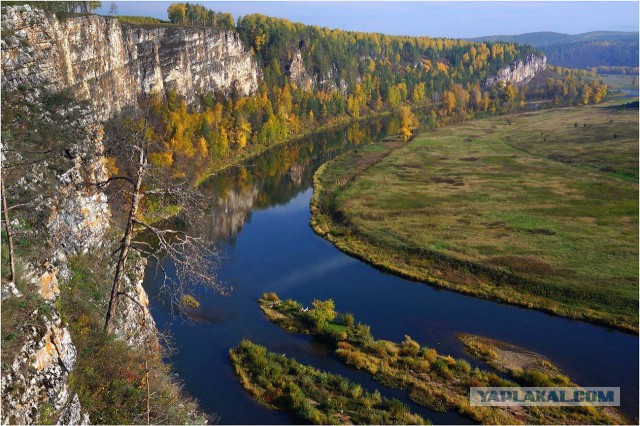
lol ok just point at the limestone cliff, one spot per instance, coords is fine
(302, 77)
(35, 383)
(298, 73)
(109, 63)
(97, 59)
(38, 377)
(519, 72)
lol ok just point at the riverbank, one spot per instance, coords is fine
(535, 209)
(508, 358)
(257, 150)
(434, 380)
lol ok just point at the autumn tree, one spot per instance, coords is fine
(408, 122)
(322, 312)
(141, 185)
(195, 14)
(60, 6)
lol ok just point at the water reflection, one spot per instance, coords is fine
(281, 174)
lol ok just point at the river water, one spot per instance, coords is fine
(260, 215)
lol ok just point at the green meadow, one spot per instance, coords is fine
(537, 209)
(621, 81)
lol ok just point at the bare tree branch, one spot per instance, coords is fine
(152, 193)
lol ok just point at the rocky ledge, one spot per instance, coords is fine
(518, 72)
(109, 63)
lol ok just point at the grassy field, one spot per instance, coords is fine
(537, 209)
(621, 82)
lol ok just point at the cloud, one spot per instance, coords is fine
(302, 275)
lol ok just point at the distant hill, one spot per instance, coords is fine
(586, 50)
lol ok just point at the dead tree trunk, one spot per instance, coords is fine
(7, 225)
(124, 251)
(128, 233)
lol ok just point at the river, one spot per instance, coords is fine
(260, 215)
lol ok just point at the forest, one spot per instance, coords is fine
(316, 77)
(345, 75)
(586, 50)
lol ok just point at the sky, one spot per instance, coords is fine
(436, 19)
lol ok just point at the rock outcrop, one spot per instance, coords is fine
(79, 217)
(38, 377)
(298, 73)
(90, 56)
(109, 63)
(302, 77)
(519, 72)
(133, 321)
(35, 386)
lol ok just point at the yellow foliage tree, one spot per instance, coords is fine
(408, 122)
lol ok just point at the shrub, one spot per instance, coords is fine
(356, 359)
(343, 385)
(379, 349)
(333, 333)
(344, 345)
(295, 395)
(409, 347)
(449, 360)
(441, 367)
(429, 354)
(356, 391)
(289, 306)
(494, 380)
(188, 301)
(475, 382)
(391, 348)
(305, 410)
(347, 319)
(323, 312)
(463, 366)
(536, 378)
(421, 365)
(430, 397)
(270, 297)
(562, 380)
(361, 335)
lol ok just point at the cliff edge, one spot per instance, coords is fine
(518, 72)
(109, 63)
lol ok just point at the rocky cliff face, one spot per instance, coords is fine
(300, 76)
(35, 385)
(38, 378)
(298, 73)
(109, 63)
(519, 72)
